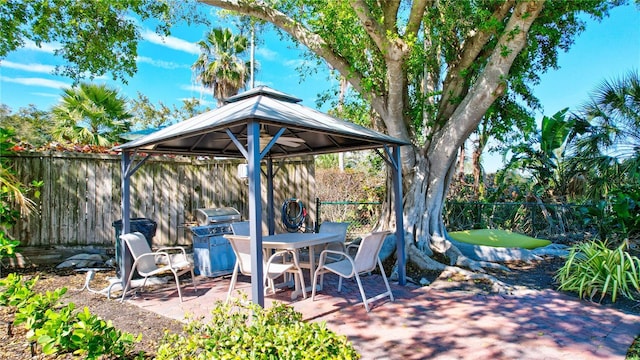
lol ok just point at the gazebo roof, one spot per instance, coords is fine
(306, 131)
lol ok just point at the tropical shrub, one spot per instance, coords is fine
(243, 330)
(82, 333)
(593, 268)
(15, 291)
(58, 328)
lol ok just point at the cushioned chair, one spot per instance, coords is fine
(364, 261)
(148, 263)
(276, 265)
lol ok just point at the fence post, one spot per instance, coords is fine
(533, 221)
(317, 225)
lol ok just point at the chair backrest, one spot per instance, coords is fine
(368, 250)
(240, 228)
(242, 248)
(138, 246)
(330, 227)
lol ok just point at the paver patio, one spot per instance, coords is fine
(436, 323)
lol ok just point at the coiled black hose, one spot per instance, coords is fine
(293, 214)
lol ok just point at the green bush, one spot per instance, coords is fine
(15, 291)
(58, 328)
(82, 333)
(593, 268)
(241, 330)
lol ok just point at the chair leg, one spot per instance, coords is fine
(364, 297)
(234, 278)
(384, 277)
(126, 286)
(175, 275)
(313, 284)
(193, 279)
(272, 286)
(300, 275)
(339, 283)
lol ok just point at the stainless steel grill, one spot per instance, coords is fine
(209, 216)
(212, 253)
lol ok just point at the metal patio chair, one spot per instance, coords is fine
(364, 261)
(149, 263)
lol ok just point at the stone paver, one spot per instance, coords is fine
(432, 323)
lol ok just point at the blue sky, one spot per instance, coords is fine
(605, 50)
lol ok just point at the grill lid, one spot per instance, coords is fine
(208, 216)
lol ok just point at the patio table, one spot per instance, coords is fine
(297, 241)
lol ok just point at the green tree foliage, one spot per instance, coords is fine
(219, 66)
(31, 126)
(605, 154)
(90, 114)
(14, 201)
(542, 157)
(431, 70)
(146, 114)
(606, 149)
(93, 37)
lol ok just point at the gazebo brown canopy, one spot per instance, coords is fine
(263, 124)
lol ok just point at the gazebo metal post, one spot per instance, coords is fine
(271, 221)
(124, 262)
(398, 196)
(255, 212)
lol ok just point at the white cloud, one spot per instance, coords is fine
(295, 63)
(266, 54)
(44, 47)
(54, 84)
(195, 88)
(37, 68)
(171, 42)
(203, 102)
(161, 63)
(46, 94)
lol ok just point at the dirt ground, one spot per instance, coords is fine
(129, 318)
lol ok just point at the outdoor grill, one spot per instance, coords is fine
(223, 215)
(212, 253)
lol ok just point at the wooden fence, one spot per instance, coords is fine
(80, 199)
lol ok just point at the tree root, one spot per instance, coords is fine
(497, 286)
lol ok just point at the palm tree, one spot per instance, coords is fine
(90, 114)
(607, 127)
(219, 66)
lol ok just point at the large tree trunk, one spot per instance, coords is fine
(428, 180)
(427, 168)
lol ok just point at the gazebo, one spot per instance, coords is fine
(259, 125)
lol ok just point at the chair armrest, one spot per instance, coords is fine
(281, 253)
(165, 248)
(323, 256)
(161, 253)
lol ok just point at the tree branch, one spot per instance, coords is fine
(371, 26)
(454, 85)
(311, 40)
(491, 81)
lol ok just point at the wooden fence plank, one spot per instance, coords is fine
(81, 195)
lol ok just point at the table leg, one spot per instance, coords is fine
(312, 269)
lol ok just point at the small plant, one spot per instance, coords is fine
(82, 334)
(16, 291)
(593, 268)
(58, 328)
(242, 330)
(33, 313)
